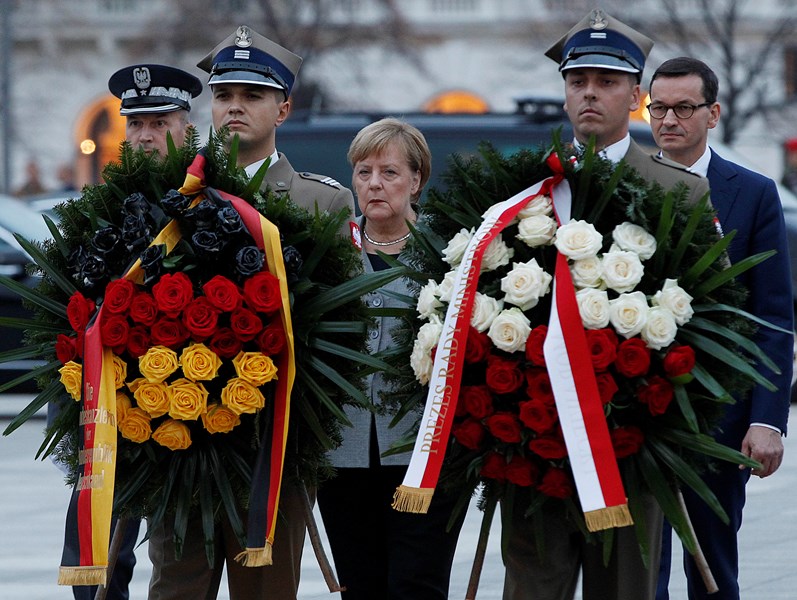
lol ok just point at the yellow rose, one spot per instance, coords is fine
(241, 396)
(199, 362)
(136, 425)
(188, 399)
(158, 363)
(119, 372)
(72, 378)
(123, 404)
(220, 419)
(255, 367)
(172, 434)
(154, 398)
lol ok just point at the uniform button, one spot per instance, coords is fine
(373, 334)
(377, 301)
(281, 184)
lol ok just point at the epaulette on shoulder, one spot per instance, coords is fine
(321, 179)
(672, 164)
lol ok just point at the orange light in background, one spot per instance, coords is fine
(456, 101)
(641, 113)
(88, 146)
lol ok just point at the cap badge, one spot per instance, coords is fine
(598, 20)
(142, 78)
(243, 37)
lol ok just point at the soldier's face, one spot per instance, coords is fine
(599, 103)
(682, 140)
(148, 131)
(253, 112)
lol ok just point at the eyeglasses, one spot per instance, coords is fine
(682, 111)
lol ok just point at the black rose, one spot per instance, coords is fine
(207, 243)
(248, 261)
(174, 203)
(136, 204)
(93, 270)
(293, 263)
(152, 262)
(202, 216)
(229, 221)
(136, 233)
(107, 241)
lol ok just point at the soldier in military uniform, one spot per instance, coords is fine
(155, 100)
(251, 79)
(601, 60)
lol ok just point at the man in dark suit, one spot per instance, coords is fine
(683, 107)
(601, 60)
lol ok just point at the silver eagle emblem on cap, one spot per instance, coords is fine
(243, 37)
(598, 20)
(142, 78)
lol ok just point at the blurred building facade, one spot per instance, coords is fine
(61, 54)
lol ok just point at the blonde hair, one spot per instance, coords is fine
(376, 137)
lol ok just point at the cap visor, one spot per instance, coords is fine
(600, 61)
(248, 77)
(161, 108)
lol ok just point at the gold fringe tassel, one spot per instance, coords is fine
(82, 575)
(412, 500)
(606, 518)
(255, 557)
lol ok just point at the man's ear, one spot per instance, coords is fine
(284, 111)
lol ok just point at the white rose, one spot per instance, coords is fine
(676, 300)
(455, 250)
(421, 357)
(593, 306)
(536, 230)
(485, 310)
(622, 270)
(446, 287)
(578, 239)
(525, 284)
(510, 330)
(428, 303)
(634, 239)
(497, 254)
(628, 313)
(587, 273)
(539, 205)
(660, 329)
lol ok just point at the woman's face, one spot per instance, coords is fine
(384, 184)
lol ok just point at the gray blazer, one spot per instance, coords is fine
(356, 446)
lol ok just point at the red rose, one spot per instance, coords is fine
(114, 330)
(201, 318)
(503, 375)
(138, 341)
(470, 433)
(225, 343)
(626, 440)
(521, 471)
(245, 324)
(143, 309)
(223, 293)
(633, 358)
(607, 387)
(602, 344)
(494, 467)
(504, 426)
(476, 400)
(262, 293)
(680, 360)
(537, 415)
(534, 345)
(173, 293)
(168, 332)
(65, 348)
(538, 386)
(556, 483)
(79, 311)
(271, 340)
(657, 394)
(477, 346)
(549, 447)
(118, 296)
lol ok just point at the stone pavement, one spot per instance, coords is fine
(34, 499)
